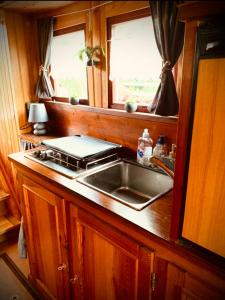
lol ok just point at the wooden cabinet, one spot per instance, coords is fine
(195, 288)
(179, 284)
(44, 215)
(104, 263)
(76, 254)
(107, 265)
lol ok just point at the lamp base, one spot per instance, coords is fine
(39, 129)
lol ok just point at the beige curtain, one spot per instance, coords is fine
(44, 87)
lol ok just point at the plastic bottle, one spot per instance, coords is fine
(160, 147)
(144, 150)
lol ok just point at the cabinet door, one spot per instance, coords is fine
(196, 289)
(107, 265)
(181, 285)
(175, 282)
(169, 280)
(46, 241)
(204, 219)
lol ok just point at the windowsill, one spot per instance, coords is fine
(118, 113)
(64, 100)
(120, 106)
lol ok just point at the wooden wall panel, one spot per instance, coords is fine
(67, 10)
(69, 21)
(24, 60)
(115, 126)
(8, 115)
(121, 7)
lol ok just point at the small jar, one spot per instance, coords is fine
(74, 100)
(130, 106)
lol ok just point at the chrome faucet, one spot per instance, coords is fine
(158, 163)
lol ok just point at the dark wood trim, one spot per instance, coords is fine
(198, 10)
(69, 29)
(110, 86)
(137, 14)
(84, 102)
(67, 100)
(183, 126)
(61, 99)
(189, 134)
(206, 254)
(141, 108)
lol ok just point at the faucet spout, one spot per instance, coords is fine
(157, 162)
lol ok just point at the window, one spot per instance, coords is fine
(68, 72)
(134, 63)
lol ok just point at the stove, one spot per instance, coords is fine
(73, 155)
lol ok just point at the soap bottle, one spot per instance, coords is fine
(144, 150)
(160, 148)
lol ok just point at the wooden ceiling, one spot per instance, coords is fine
(33, 7)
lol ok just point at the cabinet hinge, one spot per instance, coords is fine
(153, 281)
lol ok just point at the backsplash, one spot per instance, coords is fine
(111, 125)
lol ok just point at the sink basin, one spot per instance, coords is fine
(129, 183)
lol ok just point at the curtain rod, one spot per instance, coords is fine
(83, 10)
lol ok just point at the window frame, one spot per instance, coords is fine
(62, 31)
(134, 15)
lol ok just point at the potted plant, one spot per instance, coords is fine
(131, 105)
(91, 54)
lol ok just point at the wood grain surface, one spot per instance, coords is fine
(111, 265)
(111, 125)
(147, 228)
(154, 218)
(8, 119)
(204, 220)
(43, 219)
(24, 58)
(183, 125)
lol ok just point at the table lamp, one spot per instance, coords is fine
(38, 115)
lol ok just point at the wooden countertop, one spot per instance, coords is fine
(154, 219)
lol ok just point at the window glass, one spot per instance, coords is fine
(135, 62)
(68, 72)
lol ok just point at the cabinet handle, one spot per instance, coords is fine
(61, 267)
(153, 281)
(74, 279)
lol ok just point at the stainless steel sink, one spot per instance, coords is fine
(129, 183)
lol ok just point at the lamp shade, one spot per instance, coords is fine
(37, 113)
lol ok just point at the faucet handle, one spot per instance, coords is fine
(157, 162)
